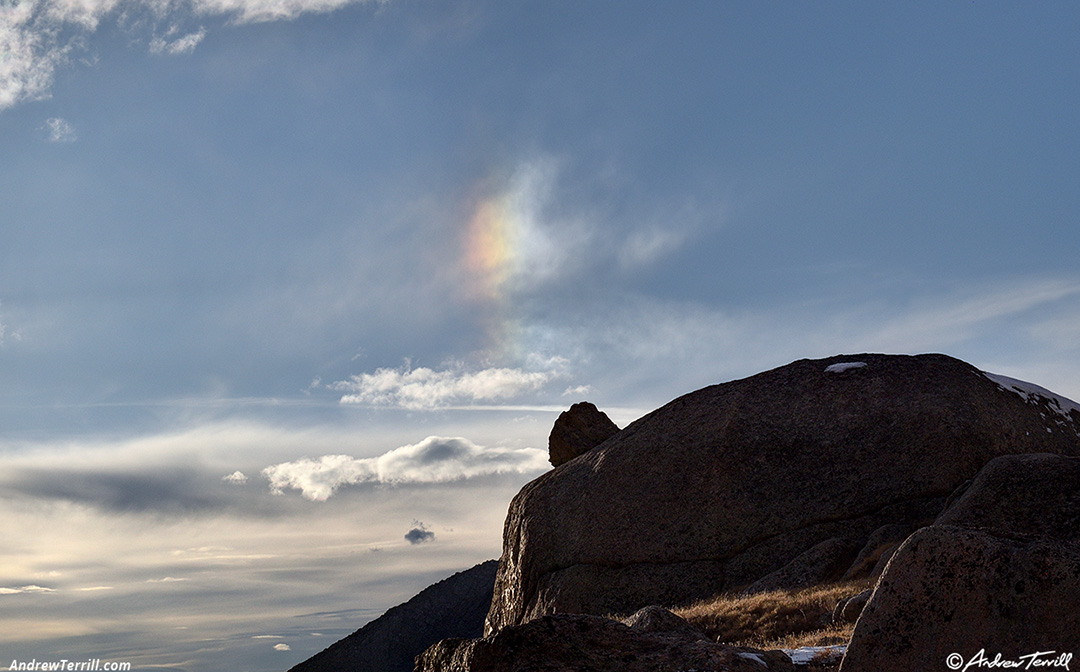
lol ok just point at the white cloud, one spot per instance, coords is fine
(433, 460)
(282, 647)
(181, 45)
(39, 36)
(424, 388)
(60, 130)
(236, 478)
(25, 589)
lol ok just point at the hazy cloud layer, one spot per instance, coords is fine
(434, 460)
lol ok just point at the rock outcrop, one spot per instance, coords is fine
(950, 592)
(454, 607)
(577, 431)
(728, 484)
(657, 641)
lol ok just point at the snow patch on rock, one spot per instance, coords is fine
(844, 366)
(818, 654)
(1034, 394)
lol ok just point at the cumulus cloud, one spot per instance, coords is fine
(282, 647)
(419, 534)
(236, 478)
(39, 36)
(424, 388)
(434, 460)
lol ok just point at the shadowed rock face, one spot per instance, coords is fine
(1021, 494)
(728, 484)
(951, 590)
(454, 607)
(578, 430)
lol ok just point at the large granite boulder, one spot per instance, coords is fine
(578, 430)
(1023, 494)
(999, 571)
(453, 607)
(728, 484)
(952, 597)
(656, 641)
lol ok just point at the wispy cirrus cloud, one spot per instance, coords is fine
(60, 130)
(186, 44)
(434, 460)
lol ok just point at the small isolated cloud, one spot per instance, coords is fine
(93, 589)
(282, 647)
(60, 130)
(419, 534)
(578, 391)
(236, 478)
(436, 459)
(21, 590)
(423, 388)
(167, 579)
(181, 45)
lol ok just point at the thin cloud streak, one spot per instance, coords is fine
(423, 388)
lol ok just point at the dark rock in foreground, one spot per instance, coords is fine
(998, 571)
(951, 591)
(577, 431)
(454, 607)
(729, 484)
(658, 641)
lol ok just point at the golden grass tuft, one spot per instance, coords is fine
(776, 619)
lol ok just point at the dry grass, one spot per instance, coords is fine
(777, 619)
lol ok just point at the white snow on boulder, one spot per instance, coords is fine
(818, 654)
(1032, 394)
(844, 366)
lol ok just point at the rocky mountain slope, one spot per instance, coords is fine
(454, 607)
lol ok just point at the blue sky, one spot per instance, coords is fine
(244, 235)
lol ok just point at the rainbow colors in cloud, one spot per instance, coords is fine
(490, 252)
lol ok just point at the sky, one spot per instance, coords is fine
(291, 291)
